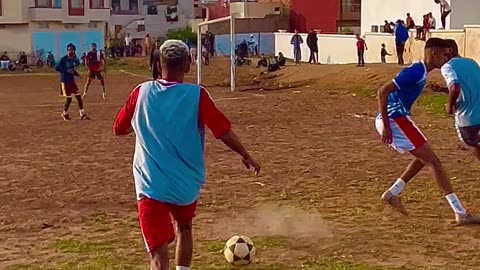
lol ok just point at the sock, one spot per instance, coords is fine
(82, 112)
(455, 204)
(397, 187)
(182, 268)
(103, 89)
(85, 89)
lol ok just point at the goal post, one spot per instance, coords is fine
(232, 49)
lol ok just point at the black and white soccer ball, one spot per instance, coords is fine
(239, 250)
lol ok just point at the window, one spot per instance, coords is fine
(97, 4)
(0, 7)
(76, 8)
(43, 3)
(92, 25)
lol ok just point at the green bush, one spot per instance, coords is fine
(183, 34)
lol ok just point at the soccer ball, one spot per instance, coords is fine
(239, 250)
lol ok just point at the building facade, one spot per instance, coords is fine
(156, 17)
(327, 16)
(44, 25)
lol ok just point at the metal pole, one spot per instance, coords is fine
(232, 53)
(199, 54)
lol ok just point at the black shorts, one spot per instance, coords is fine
(469, 135)
(95, 75)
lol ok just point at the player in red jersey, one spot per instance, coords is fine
(95, 63)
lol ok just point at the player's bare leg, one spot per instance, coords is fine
(104, 92)
(184, 251)
(87, 85)
(65, 116)
(391, 195)
(83, 115)
(430, 159)
(159, 258)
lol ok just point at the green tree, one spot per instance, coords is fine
(183, 34)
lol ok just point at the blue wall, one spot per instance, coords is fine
(57, 41)
(266, 42)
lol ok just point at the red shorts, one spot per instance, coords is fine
(156, 220)
(69, 89)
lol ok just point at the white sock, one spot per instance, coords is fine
(397, 187)
(455, 204)
(82, 112)
(182, 268)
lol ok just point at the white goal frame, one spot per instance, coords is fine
(232, 49)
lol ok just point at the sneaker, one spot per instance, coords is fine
(394, 201)
(65, 117)
(467, 219)
(84, 117)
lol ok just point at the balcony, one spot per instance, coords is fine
(351, 11)
(46, 14)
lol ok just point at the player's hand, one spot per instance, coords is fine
(450, 109)
(387, 135)
(249, 163)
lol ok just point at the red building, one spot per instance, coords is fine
(329, 16)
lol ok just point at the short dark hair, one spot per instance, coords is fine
(453, 45)
(436, 43)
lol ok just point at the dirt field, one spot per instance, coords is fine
(67, 196)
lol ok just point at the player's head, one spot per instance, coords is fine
(93, 46)
(157, 44)
(71, 48)
(174, 59)
(437, 51)
(453, 48)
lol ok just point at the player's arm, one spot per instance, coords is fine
(60, 66)
(123, 121)
(221, 128)
(382, 96)
(451, 79)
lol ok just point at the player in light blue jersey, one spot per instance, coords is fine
(394, 124)
(462, 76)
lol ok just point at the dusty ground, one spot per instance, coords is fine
(67, 196)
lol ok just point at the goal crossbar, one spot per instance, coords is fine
(232, 49)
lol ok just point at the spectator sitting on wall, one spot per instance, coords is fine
(423, 31)
(401, 37)
(22, 64)
(4, 61)
(387, 28)
(432, 21)
(410, 22)
(296, 42)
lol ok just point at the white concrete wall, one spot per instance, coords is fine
(464, 12)
(333, 49)
(375, 12)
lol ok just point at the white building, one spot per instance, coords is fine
(138, 17)
(375, 12)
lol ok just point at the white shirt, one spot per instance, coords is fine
(128, 41)
(446, 5)
(433, 22)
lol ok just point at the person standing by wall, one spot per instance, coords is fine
(297, 41)
(361, 48)
(445, 10)
(312, 43)
(401, 37)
